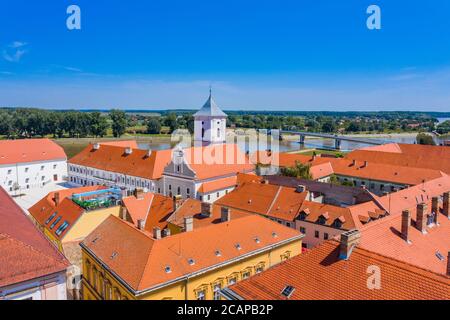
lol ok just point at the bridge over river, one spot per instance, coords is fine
(337, 138)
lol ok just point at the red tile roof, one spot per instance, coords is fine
(371, 170)
(25, 253)
(319, 274)
(122, 143)
(29, 150)
(217, 160)
(66, 209)
(144, 265)
(265, 199)
(193, 208)
(114, 159)
(153, 208)
(218, 184)
(408, 155)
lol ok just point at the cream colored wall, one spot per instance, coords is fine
(88, 222)
(206, 281)
(310, 240)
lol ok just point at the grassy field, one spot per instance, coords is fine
(310, 152)
(72, 146)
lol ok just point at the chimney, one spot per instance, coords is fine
(406, 223)
(123, 213)
(435, 208)
(349, 240)
(225, 214)
(365, 164)
(139, 193)
(206, 209)
(128, 150)
(57, 198)
(448, 264)
(353, 162)
(96, 146)
(156, 233)
(446, 204)
(149, 153)
(421, 217)
(141, 224)
(177, 202)
(300, 188)
(265, 181)
(188, 224)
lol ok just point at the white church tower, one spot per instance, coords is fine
(210, 124)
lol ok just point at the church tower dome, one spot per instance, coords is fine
(210, 123)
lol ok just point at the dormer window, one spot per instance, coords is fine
(337, 224)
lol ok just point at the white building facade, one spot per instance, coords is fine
(29, 164)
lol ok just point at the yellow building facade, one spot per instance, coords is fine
(99, 283)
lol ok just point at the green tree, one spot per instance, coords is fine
(119, 125)
(171, 122)
(98, 125)
(423, 138)
(302, 171)
(153, 126)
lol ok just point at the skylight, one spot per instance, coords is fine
(288, 291)
(440, 256)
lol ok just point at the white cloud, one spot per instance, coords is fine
(15, 51)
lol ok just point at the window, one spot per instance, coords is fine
(55, 222)
(9, 171)
(325, 236)
(170, 187)
(316, 234)
(188, 191)
(218, 194)
(232, 280)
(178, 190)
(42, 178)
(9, 182)
(288, 224)
(218, 132)
(246, 275)
(209, 197)
(159, 190)
(54, 166)
(51, 217)
(26, 169)
(259, 269)
(27, 180)
(201, 295)
(62, 228)
(303, 230)
(42, 168)
(217, 288)
(287, 291)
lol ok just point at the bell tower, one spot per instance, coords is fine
(210, 123)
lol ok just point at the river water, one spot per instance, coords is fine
(310, 143)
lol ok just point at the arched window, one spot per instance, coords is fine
(203, 132)
(218, 132)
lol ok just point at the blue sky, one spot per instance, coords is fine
(282, 55)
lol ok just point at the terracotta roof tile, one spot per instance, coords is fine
(29, 150)
(114, 159)
(25, 253)
(144, 266)
(319, 274)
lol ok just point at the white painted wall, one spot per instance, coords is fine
(32, 175)
(51, 287)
